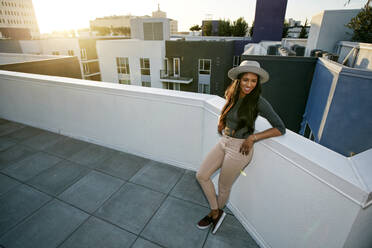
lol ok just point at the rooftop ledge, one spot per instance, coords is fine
(179, 128)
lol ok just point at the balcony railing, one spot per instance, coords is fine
(170, 76)
(296, 193)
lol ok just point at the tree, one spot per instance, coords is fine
(224, 28)
(285, 29)
(303, 33)
(239, 27)
(195, 28)
(251, 30)
(102, 30)
(361, 24)
(207, 28)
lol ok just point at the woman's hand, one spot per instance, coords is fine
(247, 145)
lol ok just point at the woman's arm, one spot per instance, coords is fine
(266, 111)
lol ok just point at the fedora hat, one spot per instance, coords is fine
(249, 66)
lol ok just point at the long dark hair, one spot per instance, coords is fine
(248, 110)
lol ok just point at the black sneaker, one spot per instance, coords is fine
(218, 221)
(205, 222)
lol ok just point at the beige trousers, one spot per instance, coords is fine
(225, 155)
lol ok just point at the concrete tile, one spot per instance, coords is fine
(122, 165)
(98, 233)
(177, 219)
(158, 176)
(6, 184)
(24, 133)
(67, 147)
(58, 178)
(47, 228)
(5, 143)
(14, 154)
(93, 155)
(131, 207)
(230, 234)
(91, 191)
(143, 243)
(43, 140)
(31, 166)
(18, 204)
(8, 127)
(189, 189)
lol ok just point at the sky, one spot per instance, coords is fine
(75, 14)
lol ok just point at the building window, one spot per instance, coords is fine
(124, 81)
(86, 68)
(146, 84)
(70, 52)
(122, 65)
(83, 54)
(236, 61)
(145, 66)
(205, 66)
(203, 88)
(171, 86)
(55, 53)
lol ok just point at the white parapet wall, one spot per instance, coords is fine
(296, 193)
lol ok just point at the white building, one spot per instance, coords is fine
(16, 17)
(150, 28)
(162, 14)
(173, 26)
(134, 61)
(159, 13)
(112, 21)
(328, 28)
(294, 23)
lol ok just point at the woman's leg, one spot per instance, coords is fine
(211, 163)
(233, 163)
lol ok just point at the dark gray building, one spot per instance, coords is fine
(198, 66)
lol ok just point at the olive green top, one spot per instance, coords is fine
(264, 109)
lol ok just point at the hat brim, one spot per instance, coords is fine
(234, 72)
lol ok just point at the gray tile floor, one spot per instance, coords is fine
(56, 191)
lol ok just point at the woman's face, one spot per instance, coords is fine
(247, 83)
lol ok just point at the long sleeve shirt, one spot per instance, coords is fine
(264, 109)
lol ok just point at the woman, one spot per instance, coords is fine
(235, 149)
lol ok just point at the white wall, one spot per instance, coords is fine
(327, 28)
(296, 192)
(136, 27)
(109, 50)
(30, 46)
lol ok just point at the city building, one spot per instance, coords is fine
(18, 20)
(294, 23)
(133, 61)
(83, 48)
(62, 66)
(201, 66)
(162, 14)
(329, 27)
(111, 21)
(338, 110)
(268, 20)
(150, 28)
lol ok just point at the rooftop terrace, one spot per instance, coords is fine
(91, 162)
(57, 191)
